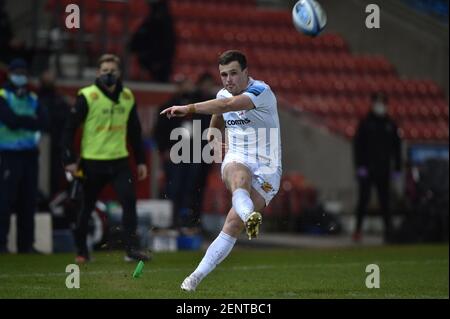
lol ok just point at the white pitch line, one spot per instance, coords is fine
(244, 268)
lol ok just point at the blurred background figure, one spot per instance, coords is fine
(6, 34)
(176, 176)
(184, 89)
(377, 146)
(154, 41)
(5, 41)
(58, 112)
(185, 182)
(11, 45)
(22, 118)
(205, 90)
(205, 87)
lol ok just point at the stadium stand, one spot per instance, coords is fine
(333, 82)
(323, 68)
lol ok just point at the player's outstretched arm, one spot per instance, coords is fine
(216, 106)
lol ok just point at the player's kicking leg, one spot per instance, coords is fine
(238, 179)
(234, 224)
(217, 251)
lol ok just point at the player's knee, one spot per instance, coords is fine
(240, 179)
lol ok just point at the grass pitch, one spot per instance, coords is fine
(416, 271)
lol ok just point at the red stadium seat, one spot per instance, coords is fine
(115, 46)
(93, 6)
(138, 8)
(53, 5)
(115, 25)
(116, 7)
(92, 22)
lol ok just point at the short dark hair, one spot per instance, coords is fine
(375, 96)
(108, 58)
(233, 55)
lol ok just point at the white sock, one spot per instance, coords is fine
(217, 251)
(242, 203)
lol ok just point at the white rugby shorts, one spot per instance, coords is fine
(265, 179)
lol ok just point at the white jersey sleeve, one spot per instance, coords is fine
(260, 94)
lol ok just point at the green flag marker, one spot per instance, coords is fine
(138, 271)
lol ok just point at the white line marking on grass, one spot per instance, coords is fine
(225, 268)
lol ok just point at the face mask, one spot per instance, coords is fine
(108, 79)
(18, 80)
(379, 109)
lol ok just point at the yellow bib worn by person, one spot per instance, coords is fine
(105, 126)
(107, 112)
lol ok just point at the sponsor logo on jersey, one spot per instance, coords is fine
(238, 122)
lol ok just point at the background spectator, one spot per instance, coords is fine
(21, 120)
(154, 41)
(376, 146)
(58, 111)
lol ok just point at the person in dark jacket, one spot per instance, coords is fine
(154, 41)
(185, 182)
(180, 177)
(377, 159)
(22, 119)
(108, 112)
(58, 111)
(205, 90)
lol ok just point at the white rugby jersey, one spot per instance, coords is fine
(254, 134)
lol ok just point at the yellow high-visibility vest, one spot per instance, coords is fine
(105, 127)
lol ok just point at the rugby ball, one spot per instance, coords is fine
(309, 17)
